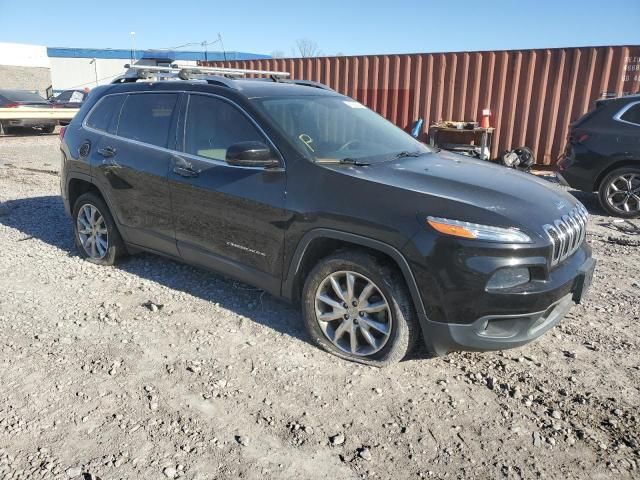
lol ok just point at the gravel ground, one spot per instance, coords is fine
(215, 379)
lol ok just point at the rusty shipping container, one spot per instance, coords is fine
(533, 94)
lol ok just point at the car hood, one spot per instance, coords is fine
(463, 188)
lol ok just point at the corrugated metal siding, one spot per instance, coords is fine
(533, 94)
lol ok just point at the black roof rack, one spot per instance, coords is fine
(212, 75)
(191, 72)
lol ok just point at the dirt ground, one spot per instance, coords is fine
(219, 380)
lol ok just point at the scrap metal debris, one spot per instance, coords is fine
(624, 226)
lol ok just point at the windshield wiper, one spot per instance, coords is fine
(409, 154)
(345, 161)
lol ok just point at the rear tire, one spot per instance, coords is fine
(619, 188)
(95, 232)
(48, 129)
(380, 314)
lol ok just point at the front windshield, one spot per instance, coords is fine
(334, 128)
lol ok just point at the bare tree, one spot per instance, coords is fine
(307, 48)
(277, 54)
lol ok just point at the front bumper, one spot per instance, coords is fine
(499, 332)
(458, 312)
(495, 332)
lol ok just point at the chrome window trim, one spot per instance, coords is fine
(178, 152)
(624, 110)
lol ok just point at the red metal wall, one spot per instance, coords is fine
(533, 94)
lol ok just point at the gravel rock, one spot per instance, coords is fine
(82, 361)
(170, 472)
(337, 440)
(73, 472)
(537, 439)
(365, 453)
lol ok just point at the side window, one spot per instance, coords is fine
(76, 97)
(632, 115)
(213, 125)
(64, 97)
(147, 117)
(105, 115)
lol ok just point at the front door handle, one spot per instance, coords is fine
(185, 172)
(107, 152)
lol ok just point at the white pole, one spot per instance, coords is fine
(133, 45)
(95, 69)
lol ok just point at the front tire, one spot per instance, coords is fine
(96, 235)
(619, 192)
(48, 129)
(359, 308)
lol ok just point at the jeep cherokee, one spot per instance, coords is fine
(309, 195)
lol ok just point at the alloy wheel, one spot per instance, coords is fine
(623, 193)
(92, 231)
(353, 313)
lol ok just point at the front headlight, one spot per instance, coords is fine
(457, 228)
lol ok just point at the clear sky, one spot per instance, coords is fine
(350, 27)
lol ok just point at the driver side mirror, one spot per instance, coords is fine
(251, 154)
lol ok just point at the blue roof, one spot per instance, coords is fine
(167, 55)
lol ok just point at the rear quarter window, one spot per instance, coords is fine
(147, 117)
(104, 116)
(632, 114)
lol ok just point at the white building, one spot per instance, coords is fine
(24, 67)
(34, 67)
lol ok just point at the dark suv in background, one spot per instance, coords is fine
(309, 195)
(603, 155)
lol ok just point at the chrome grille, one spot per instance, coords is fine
(567, 233)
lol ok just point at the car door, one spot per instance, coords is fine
(131, 166)
(228, 218)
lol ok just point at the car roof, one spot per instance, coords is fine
(253, 88)
(250, 88)
(11, 94)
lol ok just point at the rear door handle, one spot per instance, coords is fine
(107, 152)
(185, 172)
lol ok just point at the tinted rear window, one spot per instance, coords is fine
(21, 96)
(147, 117)
(632, 114)
(105, 115)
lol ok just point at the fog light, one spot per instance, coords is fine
(508, 277)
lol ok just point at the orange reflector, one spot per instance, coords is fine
(454, 230)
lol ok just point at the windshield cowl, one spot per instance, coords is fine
(343, 161)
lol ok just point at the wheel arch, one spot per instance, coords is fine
(614, 166)
(78, 185)
(318, 243)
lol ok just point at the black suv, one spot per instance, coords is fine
(309, 195)
(603, 155)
